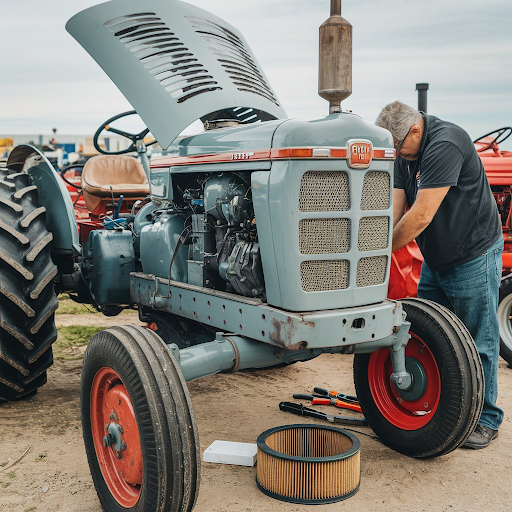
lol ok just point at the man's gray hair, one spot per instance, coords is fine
(398, 118)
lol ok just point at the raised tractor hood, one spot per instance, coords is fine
(175, 63)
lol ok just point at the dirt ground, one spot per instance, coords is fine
(54, 477)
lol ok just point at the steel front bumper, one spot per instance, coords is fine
(254, 319)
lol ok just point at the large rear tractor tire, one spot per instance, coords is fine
(139, 428)
(505, 318)
(442, 407)
(27, 295)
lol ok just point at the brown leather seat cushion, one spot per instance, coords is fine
(124, 174)
(107, 175)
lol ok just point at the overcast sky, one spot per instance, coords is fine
(463, 48)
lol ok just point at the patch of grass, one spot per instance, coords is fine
(68, 306)
(41, 456)
(11, 474)
(70, 339)
(5, 484)
(31, 509)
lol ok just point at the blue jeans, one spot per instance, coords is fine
(471, 291)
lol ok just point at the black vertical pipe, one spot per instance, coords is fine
(422, 97)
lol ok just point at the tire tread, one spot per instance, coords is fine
(27, 297)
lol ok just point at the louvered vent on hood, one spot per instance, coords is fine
(163, 55)
(233, 57)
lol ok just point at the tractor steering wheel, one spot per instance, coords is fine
(64, 170)
(502, 134)
(134, 137)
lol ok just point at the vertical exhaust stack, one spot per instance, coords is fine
(422, 96)
(335, 60)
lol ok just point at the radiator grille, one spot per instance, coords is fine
(324, 236)
(320, 276)
(163, 55)
(376, 191)
(371, 271)
(324, 191)
(373, 233)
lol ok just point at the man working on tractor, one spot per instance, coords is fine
(453, 217)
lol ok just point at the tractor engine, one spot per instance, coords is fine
(218, 244)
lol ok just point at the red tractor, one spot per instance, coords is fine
(406, 262)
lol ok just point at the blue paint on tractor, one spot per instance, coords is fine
(107, 261)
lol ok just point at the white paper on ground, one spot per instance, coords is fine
(229, 452)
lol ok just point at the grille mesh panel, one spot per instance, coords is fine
(376, 191)
(373, 233)
(324, 236)
(233, 57)
(324, 191)
(163, 55)
(371, 271)
(319, 276)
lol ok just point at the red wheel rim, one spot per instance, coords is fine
(112, 411)
(404, 414)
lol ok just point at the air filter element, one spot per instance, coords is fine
(308, 464)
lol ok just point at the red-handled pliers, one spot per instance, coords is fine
(335, 394)
(326, 400)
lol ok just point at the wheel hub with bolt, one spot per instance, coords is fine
(113, 438)
(418, 380)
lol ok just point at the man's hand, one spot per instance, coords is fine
(419, 216)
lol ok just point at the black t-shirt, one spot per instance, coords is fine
(467, 221)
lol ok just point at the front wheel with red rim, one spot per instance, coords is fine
(438, 412)
(139, 429)
(116, 437)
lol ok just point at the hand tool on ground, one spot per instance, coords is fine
(335, 394)
(327, 400)
(306, 411)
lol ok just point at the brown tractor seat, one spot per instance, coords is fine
(107, 175)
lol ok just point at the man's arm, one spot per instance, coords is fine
(399, 202)
(419, 216)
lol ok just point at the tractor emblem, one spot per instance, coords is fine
(359, 154)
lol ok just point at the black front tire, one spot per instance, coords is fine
(138, 365)
(27, 296)
(450, 385)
